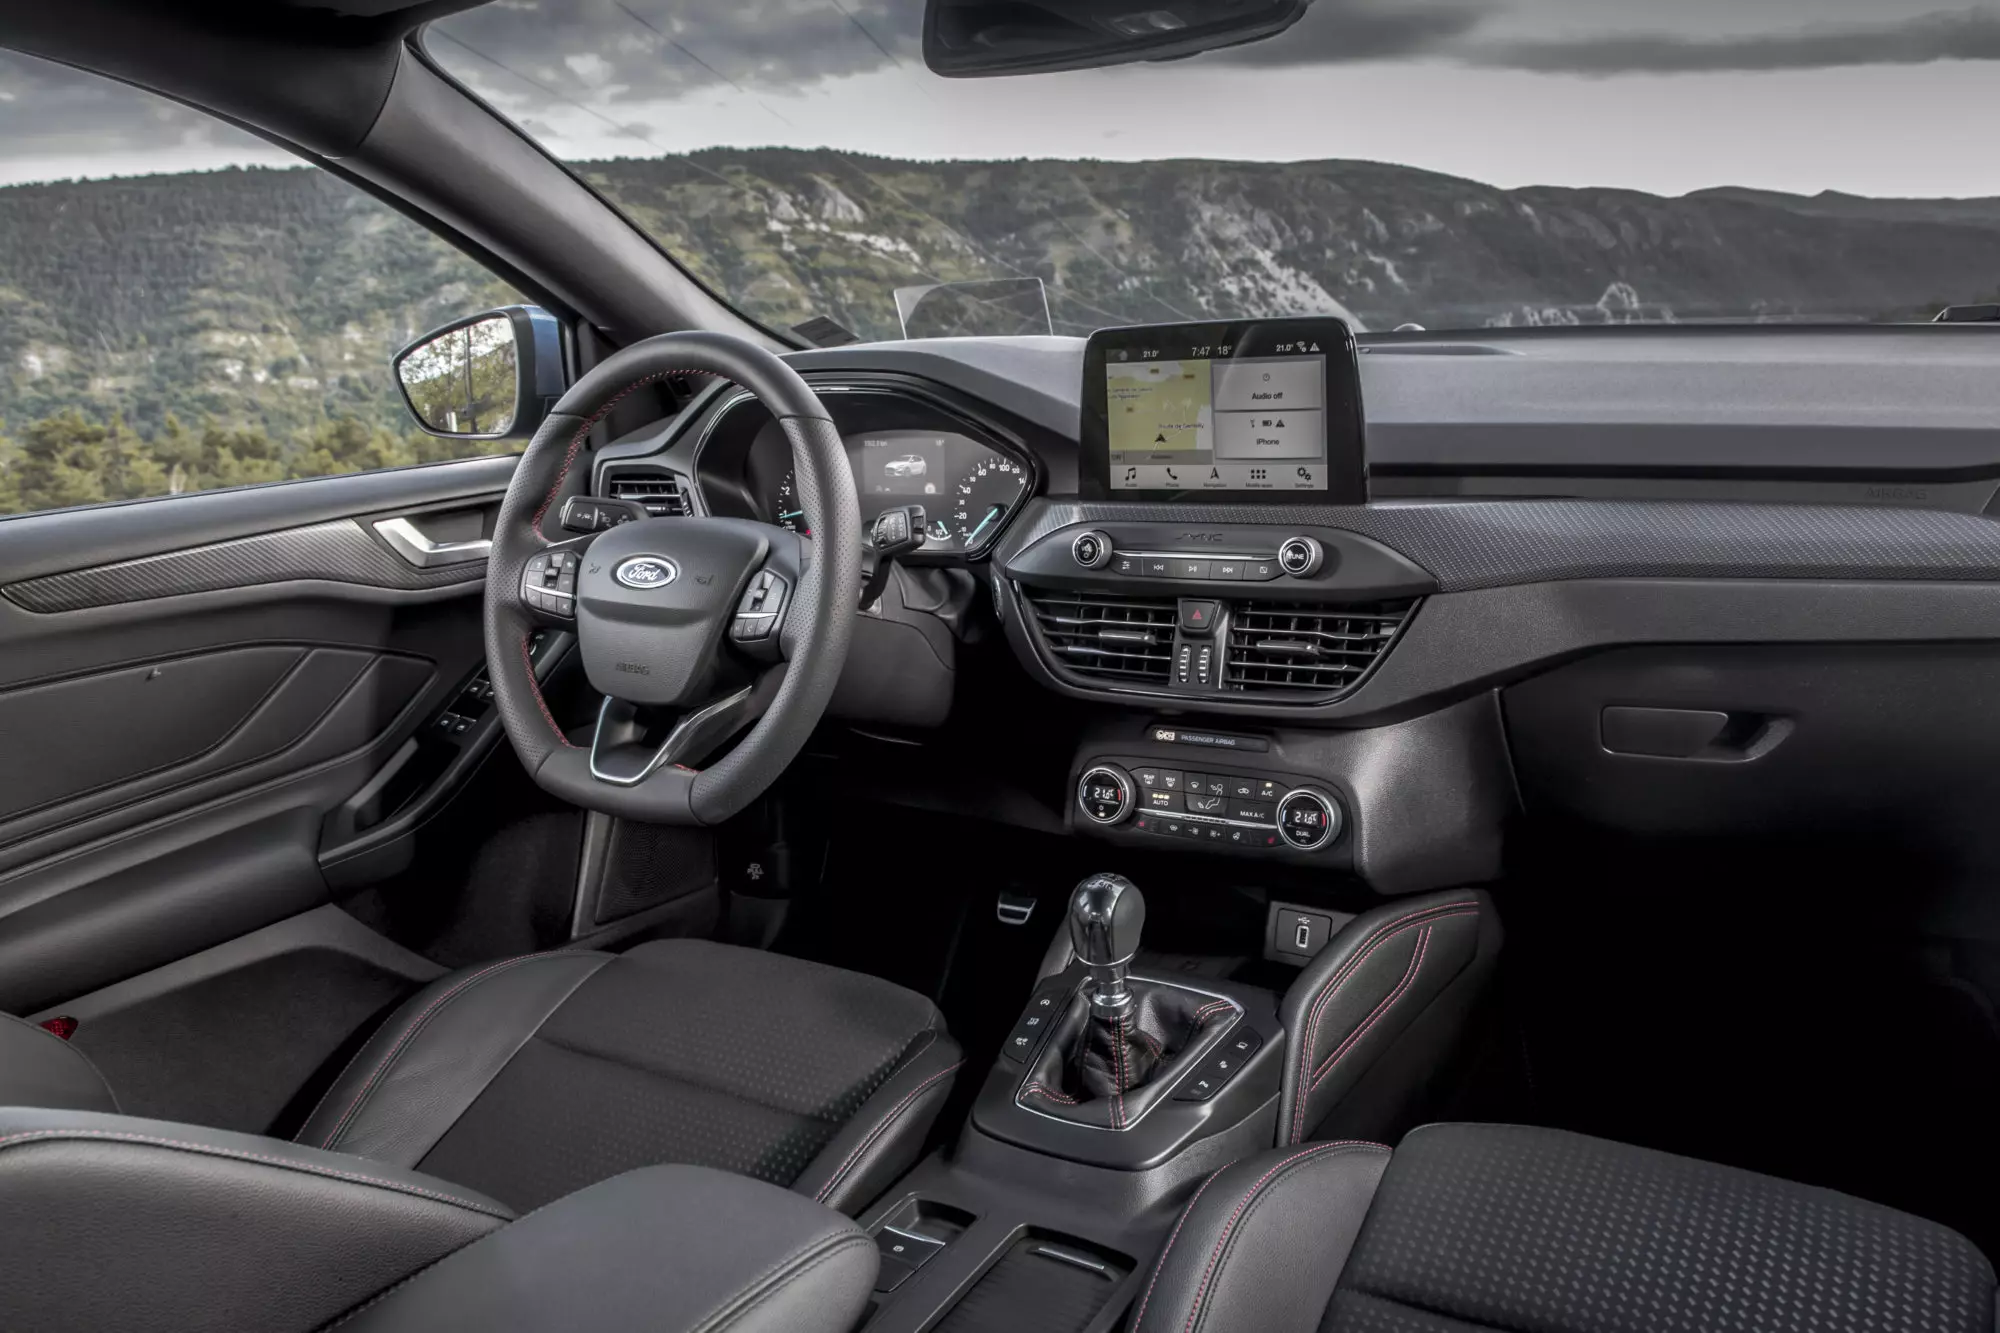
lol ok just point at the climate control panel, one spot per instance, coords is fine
(1224, 809)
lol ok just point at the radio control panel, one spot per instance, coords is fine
(1276, 562)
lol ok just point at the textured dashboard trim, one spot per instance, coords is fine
(336, 552)
(1491, 544)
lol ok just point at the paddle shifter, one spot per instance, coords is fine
(1106, 914)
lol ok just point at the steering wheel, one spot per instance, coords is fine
(689, 627)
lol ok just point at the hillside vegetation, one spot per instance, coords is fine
(175, 332)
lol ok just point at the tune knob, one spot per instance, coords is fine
(1308, 819)
(1106, 795)
(1091, 549)
(1300, 557)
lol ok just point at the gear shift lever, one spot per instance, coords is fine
(1106, 915)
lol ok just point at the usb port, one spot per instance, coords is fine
(1303, 939)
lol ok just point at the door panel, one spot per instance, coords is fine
(184, 703)
(90, 733)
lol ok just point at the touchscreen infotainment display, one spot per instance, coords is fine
(1249, 410)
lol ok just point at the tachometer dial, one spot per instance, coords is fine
(984, 497)
(786, 509)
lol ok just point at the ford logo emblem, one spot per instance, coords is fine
(646, 571)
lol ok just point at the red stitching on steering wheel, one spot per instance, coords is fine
(569, 458)
(535, 523)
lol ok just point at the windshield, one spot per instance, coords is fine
(1447, 163)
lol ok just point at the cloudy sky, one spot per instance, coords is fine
(1884, 97)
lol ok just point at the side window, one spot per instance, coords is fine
(184, 307)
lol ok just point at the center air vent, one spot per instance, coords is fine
(1307, 649)
(1105, 636)
(660, 491)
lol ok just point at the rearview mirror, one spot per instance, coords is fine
(981, 38)
(491, 377)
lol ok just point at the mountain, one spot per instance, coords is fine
(818, 232)
(272, 299)
(265, 298)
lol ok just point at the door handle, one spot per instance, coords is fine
(410, 542)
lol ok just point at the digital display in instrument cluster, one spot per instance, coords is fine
(967, 489)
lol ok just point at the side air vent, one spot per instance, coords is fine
(659, 491)
(1307, 649)
(1107, 637)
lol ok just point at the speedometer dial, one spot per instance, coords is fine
(984, 497)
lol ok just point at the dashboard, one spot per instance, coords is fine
(1676, 582)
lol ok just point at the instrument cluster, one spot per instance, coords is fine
(904, 451)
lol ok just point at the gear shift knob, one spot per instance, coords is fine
(1106, 915)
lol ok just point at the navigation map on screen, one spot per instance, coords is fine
(1203, 423)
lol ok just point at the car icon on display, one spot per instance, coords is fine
(909, 465)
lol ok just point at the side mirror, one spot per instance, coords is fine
(971, 39)
(490, 377)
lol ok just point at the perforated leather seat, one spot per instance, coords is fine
(1468, 1228)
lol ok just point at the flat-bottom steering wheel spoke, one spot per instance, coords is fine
(627, 749)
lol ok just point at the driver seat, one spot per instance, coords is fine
(528, 1079)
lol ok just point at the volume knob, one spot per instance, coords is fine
(1092, 550)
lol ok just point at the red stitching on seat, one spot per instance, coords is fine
(238, 1154)
(1409, 975)
(1139, 1319)
(1381, 936)
(881, 1126)
(1201, 1292)
(411, 1031)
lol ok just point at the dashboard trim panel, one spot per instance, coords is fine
(1476, 544)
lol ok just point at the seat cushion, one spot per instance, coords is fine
(535, 1077)
(1506, 1229)
(1509, 1227)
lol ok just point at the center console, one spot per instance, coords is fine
(1209, 581)
(1117, 1091)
